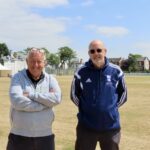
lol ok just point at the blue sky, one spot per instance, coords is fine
(123, 25)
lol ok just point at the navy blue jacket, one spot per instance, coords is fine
(99, 93)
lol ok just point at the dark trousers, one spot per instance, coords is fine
(16, 142)
(87, 139)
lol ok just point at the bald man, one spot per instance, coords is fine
(98, 90)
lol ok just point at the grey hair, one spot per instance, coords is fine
(36, 50)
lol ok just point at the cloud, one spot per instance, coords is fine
(79, 18)
(87, 3)
(44, 3)
(21, 29)
(109, 31)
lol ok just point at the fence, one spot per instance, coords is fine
(71, 71)
(60, 71)
(137, 74)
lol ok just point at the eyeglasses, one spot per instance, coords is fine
(92, 51)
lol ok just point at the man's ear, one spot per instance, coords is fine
(105, 51)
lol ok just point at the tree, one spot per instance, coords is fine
(132, 61)
(15, 55)
(66, 54)
(27, 50)
(46, 52)
(53, 59)
(125, 65)
(4, 51)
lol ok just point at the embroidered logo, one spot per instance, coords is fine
(108, 78)
(88, 80)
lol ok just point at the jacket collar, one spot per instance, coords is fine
(33, 80)
(90, 65)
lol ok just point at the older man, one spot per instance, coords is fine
(33, 93)
(98, 89)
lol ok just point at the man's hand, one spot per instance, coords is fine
(25, 93)
(51, 90)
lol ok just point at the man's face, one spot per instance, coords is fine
(35, 63)
(97, 54)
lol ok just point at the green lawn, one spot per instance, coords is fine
(135, 115)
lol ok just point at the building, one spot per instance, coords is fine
(117, 61)
(143, 63)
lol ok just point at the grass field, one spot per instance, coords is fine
(135, 115)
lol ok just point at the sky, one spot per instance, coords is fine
(123, 25)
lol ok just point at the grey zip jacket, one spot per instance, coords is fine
(32, 116)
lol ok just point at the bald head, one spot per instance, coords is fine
(97, 53)
(96, 43)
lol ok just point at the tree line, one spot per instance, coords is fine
(63, 55)
(66, 54)
(131, 64)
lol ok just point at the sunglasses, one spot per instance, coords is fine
(33, 49)
(92, 51)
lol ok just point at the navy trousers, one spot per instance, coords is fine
(16, 142)
(87, 139)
